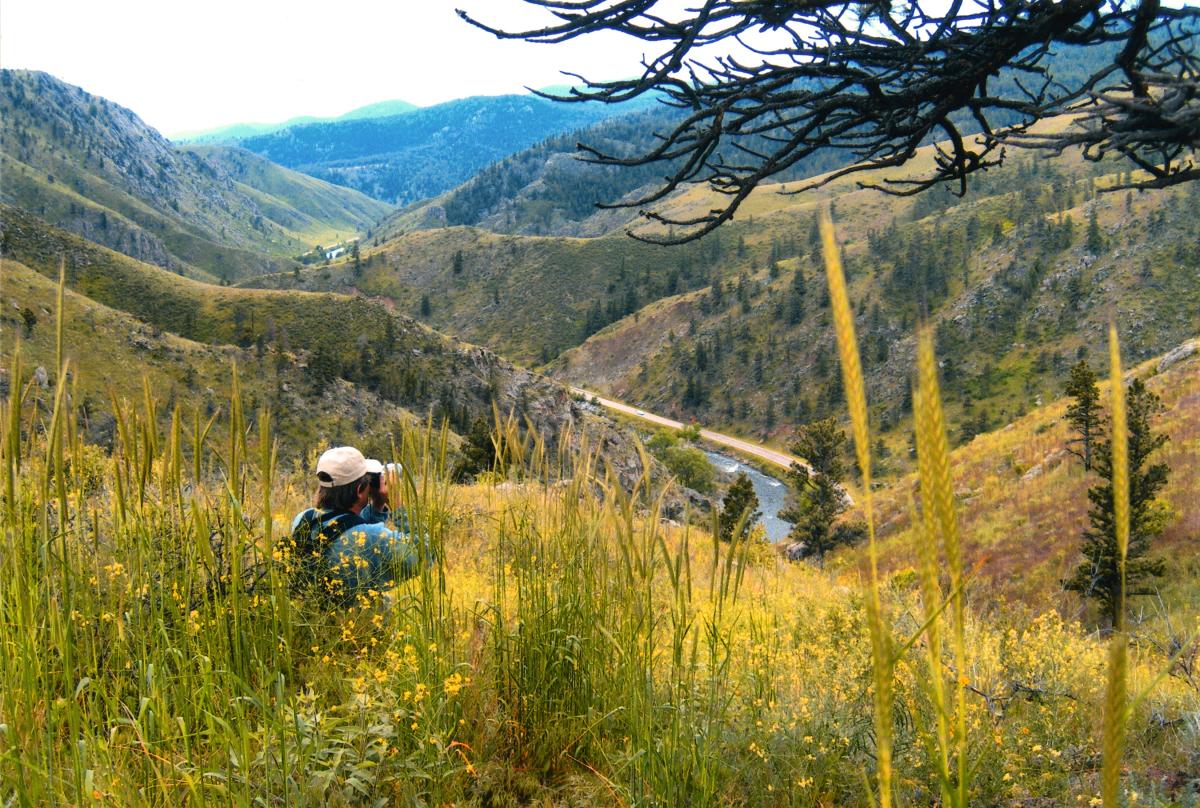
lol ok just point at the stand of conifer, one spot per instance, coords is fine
(739, 509)
(1098, 576)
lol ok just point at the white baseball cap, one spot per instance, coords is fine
(340, 466)
(377, 467)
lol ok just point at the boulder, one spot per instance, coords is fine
(1054, 458)
(40, 377)
(1048, 462)
(1178, 354)
(795, 551)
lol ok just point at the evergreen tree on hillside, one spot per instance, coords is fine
(1098, 576)
(323, 367)
(795, 301)
(1083, 413)
(29, 320)
(818, 488)
(740, 501)
(478, 453)
(1095, 239)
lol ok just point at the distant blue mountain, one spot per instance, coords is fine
(234, 132)
(426, 151)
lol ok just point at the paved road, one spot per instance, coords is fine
(781, 459)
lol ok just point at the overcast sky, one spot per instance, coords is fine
(186, 65)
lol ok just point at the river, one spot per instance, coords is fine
(771, 494)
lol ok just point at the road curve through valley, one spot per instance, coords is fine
(772, 456)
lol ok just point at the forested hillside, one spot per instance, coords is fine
(552, 188)
(1024, 500)
(421, 153)
(527, 297)
(93, 167)
(733, 330)
(310, 355)
(118, 357)
(1019, 279)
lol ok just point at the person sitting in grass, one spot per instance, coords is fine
(337, 552)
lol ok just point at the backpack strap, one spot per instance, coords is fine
(341, 521)
(311, 539)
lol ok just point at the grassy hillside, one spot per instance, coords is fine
(116, 354)
(93, 167)
(527, 297)
(1016, 278)
(1022, 500)
(318, 212)
(333, 339)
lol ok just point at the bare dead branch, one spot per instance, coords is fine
(765, 84)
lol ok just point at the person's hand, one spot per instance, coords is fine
(379, 496)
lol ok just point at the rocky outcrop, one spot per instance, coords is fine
(1050, 461)
(1178, 354)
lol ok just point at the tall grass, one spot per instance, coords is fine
(939, 520)
(856, 398)
(143, 618)
(568, 647)
(1118, 654)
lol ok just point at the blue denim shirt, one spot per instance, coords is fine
(368, 556)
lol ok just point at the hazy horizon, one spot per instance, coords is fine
(185, 72)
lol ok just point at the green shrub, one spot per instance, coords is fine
(690, 467)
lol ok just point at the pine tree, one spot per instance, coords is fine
(1095, 239)
(740, 505)
(1084, 412)
(29, 320)
(323, 367)
(818, 487)
(1098, 576)
(795, 304)
(478, 451)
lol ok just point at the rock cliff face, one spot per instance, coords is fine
(123, 236)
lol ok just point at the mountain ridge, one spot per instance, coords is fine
(231, 133)
(96, 168)
(424, 152)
